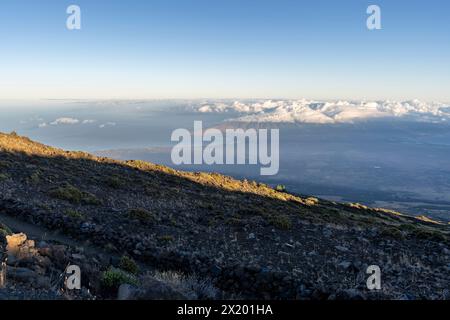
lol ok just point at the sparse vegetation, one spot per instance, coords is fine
(4, 164)
(280, 188)
(129, 265)
(234, 221)
(166, 238)
(74, 195)
(192, 286)
(114, 182)
(430, 235)
(74, 214)
(35, 177)
(113, 278)
(392, 233)
(4, 230)
(141, 215)
(281, 221)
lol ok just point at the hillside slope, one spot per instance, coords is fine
(246, 237)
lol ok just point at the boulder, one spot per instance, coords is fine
(14, 242)
(126, 292)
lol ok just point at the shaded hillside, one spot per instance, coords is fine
(248, 238)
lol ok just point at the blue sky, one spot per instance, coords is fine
(225, 49)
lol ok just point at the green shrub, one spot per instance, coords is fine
(114, 182)
(68, 193)
(129, 265)
(35, 178)
(140, 214)
(422, 233)
(113, 278)
(430, 235)
(74, 195)
(4, 230)
(280, 188)
(74, 214)
(234, 221)
(409, 228)
(281, 221)
(167, 238)
(4, 164)
(392, 232)
(4, 176)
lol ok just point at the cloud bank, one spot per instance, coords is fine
(108, 124)
(327, 112)
(66, 121)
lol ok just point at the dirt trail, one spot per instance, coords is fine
(39, 233)
(36, 232)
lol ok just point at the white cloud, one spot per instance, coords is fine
(67, 121)
(310, 111)
(64, 121)
(108, 124)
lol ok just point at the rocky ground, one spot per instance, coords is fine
(205, 236)
(40, 270)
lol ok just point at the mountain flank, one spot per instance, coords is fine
(230, 238)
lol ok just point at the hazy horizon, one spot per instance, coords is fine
(341, 150)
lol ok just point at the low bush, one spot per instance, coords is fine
(141, 215)
(74, 195)
(129, 265)
(113, 278)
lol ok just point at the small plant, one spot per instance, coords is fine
(192, 286)
(114, 182)
(74, 195)
(430, 235)
(35, 178)
(4, 230)
(212, 222)
(280, 188)
(129, 265)
(141, 215)
(110, 247)
(74, 214)
(281, 221)
(393, 233)
(4, 176)
(4, 164)
(113, 278)
(166, 238)
(68, 193)
(409, 228)
(234, 221)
